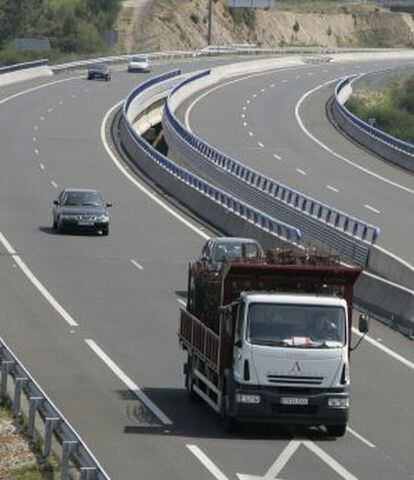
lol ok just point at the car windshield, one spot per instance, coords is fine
(84, 199)
(227, 251)
(298, 326)
(99, 66)
(139, 59)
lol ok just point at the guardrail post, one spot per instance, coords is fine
(68, 447)
(33, 403)
(5, 365)
(88, 473)
(19, 381)
(47, 447)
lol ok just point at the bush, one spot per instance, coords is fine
(244, 16)
(392, 108)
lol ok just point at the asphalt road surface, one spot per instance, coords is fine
(276, 123)
(105, 348)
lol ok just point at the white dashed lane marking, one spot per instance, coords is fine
(278, 157)
(260, 144)
(333, 189)
(42, 167)
(302, 172)
(55, 185)
(136, 264)
(373, 209)
(251, 134)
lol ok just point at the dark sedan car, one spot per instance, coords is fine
(81, 209)
(99, 70)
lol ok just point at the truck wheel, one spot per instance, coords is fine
(231, 425)
(336, 430)
(189, 382)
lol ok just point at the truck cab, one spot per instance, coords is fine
(290, 359)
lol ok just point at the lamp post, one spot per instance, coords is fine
(210, 21)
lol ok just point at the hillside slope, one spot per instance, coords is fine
(182, 24)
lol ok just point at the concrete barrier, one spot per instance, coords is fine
(24, 75)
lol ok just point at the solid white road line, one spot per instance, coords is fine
(133, 387)
(333, 189)
(360, 437)
(385, 349)
(302, 172)
(26, 270)
(143, 189)
(208, 464)
(140, 267)
(225, 84)
(339, 469)
(373, 209)
(282, 460)
(332, 152)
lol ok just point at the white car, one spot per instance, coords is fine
(139, 63)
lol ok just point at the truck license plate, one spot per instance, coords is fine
(294, 401)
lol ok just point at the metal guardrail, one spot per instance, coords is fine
(348, 235)
(370, 130)
(243, 210)
(23, 66)
(43, 419)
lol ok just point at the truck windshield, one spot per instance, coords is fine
(298, 326)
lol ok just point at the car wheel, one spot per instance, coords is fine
(59, 226)
(55, 225)
(105, 231)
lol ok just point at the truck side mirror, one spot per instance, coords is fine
(55, 202)
(363, 323)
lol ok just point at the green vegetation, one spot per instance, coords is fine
(72, 26)
(19, 459)
(390, 110)
(246, 16)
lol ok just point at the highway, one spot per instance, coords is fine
(276, 123)
(103, 343)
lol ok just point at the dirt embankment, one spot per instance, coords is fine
(182, 24)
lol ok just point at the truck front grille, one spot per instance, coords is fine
(295, 379)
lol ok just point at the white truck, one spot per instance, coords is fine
(271, 342)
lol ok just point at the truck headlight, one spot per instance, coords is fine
(246, 398)
(339, 402)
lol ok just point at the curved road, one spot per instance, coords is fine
(113, 350)
(263, 119)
